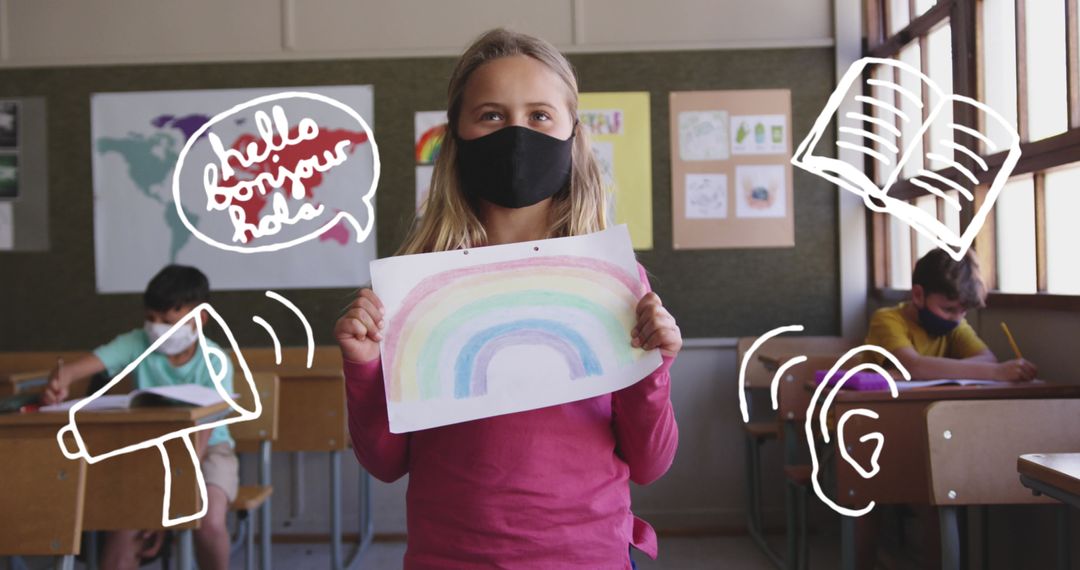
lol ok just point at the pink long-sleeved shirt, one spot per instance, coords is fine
(546, 488)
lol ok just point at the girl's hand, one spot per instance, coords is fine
(655, 327)
(358, 330)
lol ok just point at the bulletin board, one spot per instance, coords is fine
(731, 178)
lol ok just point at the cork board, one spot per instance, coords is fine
(731, 180)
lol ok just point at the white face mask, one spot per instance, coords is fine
(180, 340)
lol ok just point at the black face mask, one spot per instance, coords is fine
(514, 166)
(933, 324)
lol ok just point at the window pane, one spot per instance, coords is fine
(999, 64)
(889, 147)
(923, 245)
(1015, 213)
(939, 68)
(952, 215)
(910, 129)
(899, 15)
(1046, 73)
(899, 254)
(921, 6)
(1062, 231)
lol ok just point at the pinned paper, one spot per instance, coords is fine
(501, 329)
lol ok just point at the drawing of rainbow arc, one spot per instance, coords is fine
(429, 145)
(452, 324)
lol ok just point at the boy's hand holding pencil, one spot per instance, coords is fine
(1018, 370)
(56, 390)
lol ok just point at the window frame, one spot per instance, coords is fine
(965, 19)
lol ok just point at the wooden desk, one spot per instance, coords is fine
(904, 477)
(1055, 475)
(12, 384)
(126, 491)
(312, 418)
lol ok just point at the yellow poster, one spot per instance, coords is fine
(618, 125)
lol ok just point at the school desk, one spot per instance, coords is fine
(312, 418)
(913, 432)
(760, 368)
(42, 497)
(126, 491)
(1055, 475)
(28, 371)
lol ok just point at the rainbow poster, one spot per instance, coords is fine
(495, 330)
(429, 128)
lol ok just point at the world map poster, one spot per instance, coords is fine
(280, 172)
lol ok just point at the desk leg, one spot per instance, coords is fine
(297, 494)
(264, 514)
(847, 542)
(950, 537)
(92, 554)
(65, 562)
(1064, 544)
(335, 509)
(367, 525)
(187, 550)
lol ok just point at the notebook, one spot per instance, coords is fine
(179, 395)
(868, 381)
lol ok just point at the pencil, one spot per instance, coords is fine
(1012, 341)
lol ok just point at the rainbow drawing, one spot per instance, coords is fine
(429, 144)
(453, 323)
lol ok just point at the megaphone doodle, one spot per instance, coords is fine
(217, 362)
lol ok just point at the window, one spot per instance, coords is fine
(1026, 65)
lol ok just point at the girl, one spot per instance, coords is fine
(546, 488)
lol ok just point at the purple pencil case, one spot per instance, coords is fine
(861, 381)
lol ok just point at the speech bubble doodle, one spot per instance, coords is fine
(240, 181)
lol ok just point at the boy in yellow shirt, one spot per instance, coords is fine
(929, 335)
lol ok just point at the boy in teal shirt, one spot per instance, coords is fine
(173, 293)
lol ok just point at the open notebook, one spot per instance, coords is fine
(903, 125)
(179, 395)
(868, 381)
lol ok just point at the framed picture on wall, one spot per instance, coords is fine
(9, 125)
(9, 176)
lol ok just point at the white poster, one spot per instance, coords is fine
(758, 134)
(703, 135)
(287, 179)
(706, 196)
(7, 227)
(760, 191)
(494, 330)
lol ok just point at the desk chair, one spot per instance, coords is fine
(257, 436)
(793, 397)
(756, 434)
(41, 505)
(973, 446)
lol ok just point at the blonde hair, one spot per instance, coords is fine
(450, 220)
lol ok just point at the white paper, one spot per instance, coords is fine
(706, 196)
(703, 135)
(193, 394)
(502, 329)
(758, 134)
(760, 191)
(428, 131)
(7, 227)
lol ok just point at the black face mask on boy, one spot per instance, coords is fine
(514, 167)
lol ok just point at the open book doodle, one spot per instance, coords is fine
(892, 137)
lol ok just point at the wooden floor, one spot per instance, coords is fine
(727, 552)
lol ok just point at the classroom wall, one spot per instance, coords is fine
(713, 293)
(60, 32)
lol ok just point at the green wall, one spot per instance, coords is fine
(48, 300)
